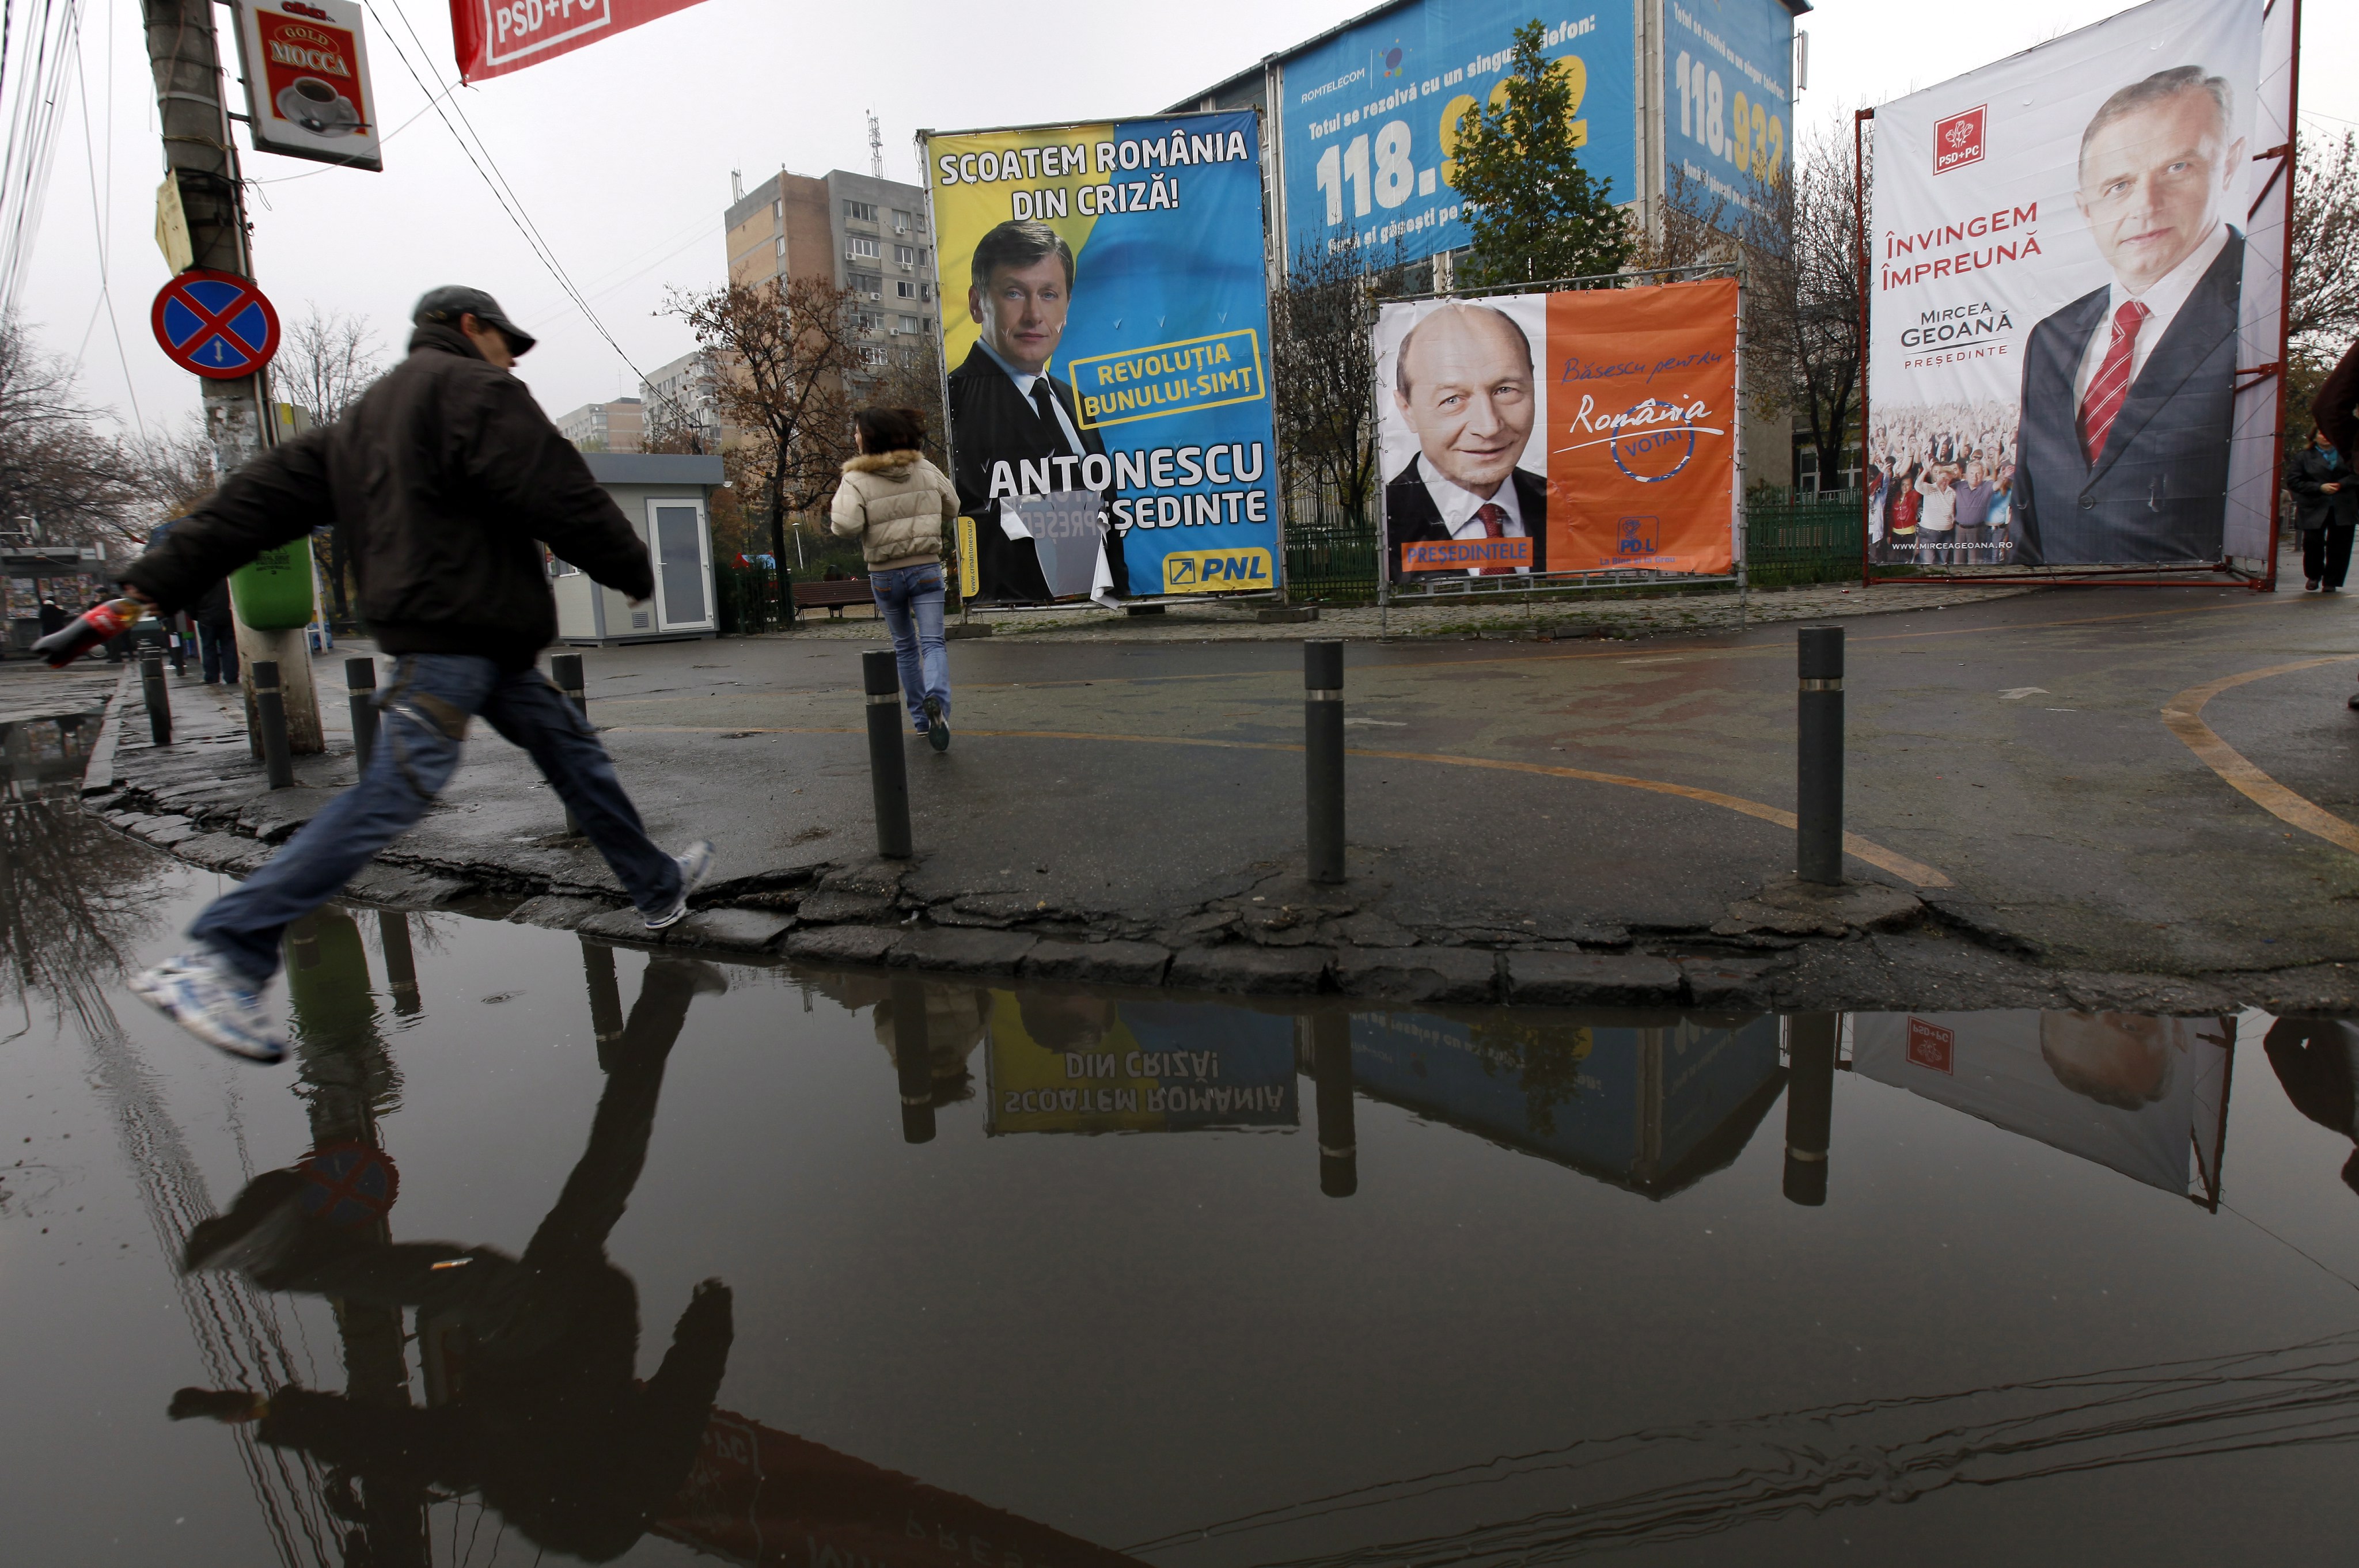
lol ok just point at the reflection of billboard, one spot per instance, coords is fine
(2075, 250)
(1728, 113)
(1369, 117)
(1579, 431)
(1651, 1108)
(1072, 1062)
(2147, 1096)
(1105, 316)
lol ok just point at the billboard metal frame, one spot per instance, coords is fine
(2198, 574)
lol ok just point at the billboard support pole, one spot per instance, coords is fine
(1867, 457)
(1737, 486)
(2269, 583)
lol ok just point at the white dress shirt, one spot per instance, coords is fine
(1458, 506)
(2163, 298)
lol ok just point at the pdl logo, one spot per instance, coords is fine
(1638, 537)
(1958, 140)
(1930, 1045)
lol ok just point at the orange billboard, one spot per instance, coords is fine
(1550, 434)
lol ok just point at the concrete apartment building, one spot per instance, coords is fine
(679, 399)
(857, 231)
(613, 427)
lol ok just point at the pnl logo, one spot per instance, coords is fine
(1216, 571)
(1638, 537)
(1958, 140)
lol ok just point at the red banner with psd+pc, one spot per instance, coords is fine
(494, 37)
(1578, 431)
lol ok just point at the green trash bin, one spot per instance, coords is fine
(273, 591)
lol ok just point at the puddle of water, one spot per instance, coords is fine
(1022, 1276)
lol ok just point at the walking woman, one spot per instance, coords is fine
(897, 505)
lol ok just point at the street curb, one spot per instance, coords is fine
(98, 778)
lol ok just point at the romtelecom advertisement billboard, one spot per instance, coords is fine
(1370, 117)
(2074, 252)
(1105, 316)
(1728, 117)
(1578, 431)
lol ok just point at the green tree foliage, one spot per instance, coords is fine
(1535, 212)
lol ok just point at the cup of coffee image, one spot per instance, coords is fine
(319, 108)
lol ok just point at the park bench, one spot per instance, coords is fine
(835, 596)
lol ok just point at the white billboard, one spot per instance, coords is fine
(2075, 296)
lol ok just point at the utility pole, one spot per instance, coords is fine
(200, 160)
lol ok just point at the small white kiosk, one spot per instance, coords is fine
(664, 495)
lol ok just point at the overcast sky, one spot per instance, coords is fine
(622, 152)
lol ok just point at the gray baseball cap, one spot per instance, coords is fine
(445, 306)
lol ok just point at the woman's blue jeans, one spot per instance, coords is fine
(910, 599)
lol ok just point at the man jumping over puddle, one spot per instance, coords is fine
(445, 480)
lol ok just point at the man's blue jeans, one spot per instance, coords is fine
(910, 599)
(422, 718)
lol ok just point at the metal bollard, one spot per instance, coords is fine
(1323, 751)
(1810, 1105)
(888, 769)
(605, 998)
(401, 961)
(1819, 756)
(360, 687)
(913, 1060)
(1330, 1071)
(158, 696)
(270, 715)
(565, 669)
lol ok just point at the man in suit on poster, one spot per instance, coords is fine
(1007, 409)
(1462, 381)
(2128, 391)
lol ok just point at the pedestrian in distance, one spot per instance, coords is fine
(2327, 505)
(2336, 407)
(447, 479)
(897, 505)
(216, 635)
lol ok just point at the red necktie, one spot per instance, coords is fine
(2111, 385)
(1493, 519)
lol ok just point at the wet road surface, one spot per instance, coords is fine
(1020, 1275)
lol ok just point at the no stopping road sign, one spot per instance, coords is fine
(215, 323)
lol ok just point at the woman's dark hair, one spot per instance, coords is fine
(890, 430)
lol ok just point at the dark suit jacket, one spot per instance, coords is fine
(1412, 518)
(2159, 491)
(991, 422)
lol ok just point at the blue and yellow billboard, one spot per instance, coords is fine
(1728, 96)
(1105, 316)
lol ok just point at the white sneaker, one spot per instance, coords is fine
(205, 997)
(695, 864)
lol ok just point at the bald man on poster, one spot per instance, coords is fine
(2129, 391)
(1462, 381)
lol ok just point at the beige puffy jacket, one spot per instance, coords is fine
(896, 505)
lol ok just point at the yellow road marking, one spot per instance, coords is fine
(2183, 715)
(1915, 872)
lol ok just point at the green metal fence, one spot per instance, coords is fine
(1810, 538)
(746, 598)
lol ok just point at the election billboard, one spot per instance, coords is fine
(1582, 430)
(493, 38)
(1369, 117)
(1728, 103)
(2075, 295)
(1105, 321)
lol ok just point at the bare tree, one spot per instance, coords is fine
(1689, 227)
(326, 360)
(784, 350)
(1803, 325)
(1325, 364)
(2324, 313)
(61, 480)
(173, 469)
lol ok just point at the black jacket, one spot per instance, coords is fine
(1411, 517)
(2307, 476)
(444, 481)
(2336, 406)
(2158, 491)
(992, 423)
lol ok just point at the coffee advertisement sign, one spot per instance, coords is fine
(307, 81)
